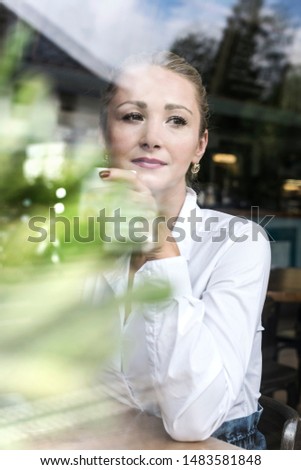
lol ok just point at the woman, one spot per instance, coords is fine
(194, 360)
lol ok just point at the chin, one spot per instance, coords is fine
(154, 183)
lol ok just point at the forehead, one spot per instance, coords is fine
(153, 82)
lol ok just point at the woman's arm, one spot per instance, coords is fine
(199, 348)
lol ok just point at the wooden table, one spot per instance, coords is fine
(135, 430)
(285, 285)
(128, 429)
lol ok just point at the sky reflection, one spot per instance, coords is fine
(107, 32)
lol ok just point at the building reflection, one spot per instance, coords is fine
(253, 75)
(252, 70)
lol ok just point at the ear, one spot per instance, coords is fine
(201, 147)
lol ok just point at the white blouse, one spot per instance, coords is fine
(195, 359)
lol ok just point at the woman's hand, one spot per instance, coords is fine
(137, 191)
(164, 245)
(161, 243)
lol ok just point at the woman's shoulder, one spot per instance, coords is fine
(214, 219)
(221, 227)
(230, 230)
(238, 243)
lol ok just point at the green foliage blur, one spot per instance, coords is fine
(52, 342)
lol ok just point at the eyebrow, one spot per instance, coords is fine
(143, 105)
(171, 107)
(139, 104)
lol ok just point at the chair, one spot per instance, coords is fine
(291, 338)
(275, 376)
(280, 424)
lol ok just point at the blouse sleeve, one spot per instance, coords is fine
(199, 348)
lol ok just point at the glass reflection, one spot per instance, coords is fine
(249, 53)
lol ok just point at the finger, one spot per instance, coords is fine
(130, 176)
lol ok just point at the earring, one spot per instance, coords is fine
(106, 158)
(195, 168)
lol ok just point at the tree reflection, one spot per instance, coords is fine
(291, 90)
(250, 79)
(251, 59)
(200, 51)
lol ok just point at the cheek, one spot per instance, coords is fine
(120, 139)
(185, 146)
(116, 140)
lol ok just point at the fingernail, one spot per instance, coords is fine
(133, 171)
(104, 174)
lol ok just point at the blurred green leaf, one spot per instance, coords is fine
(53, 339)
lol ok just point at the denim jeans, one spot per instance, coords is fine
(243, 432)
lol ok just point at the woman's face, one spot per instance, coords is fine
(153, 127)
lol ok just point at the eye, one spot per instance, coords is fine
(177, 121)
(132, 117)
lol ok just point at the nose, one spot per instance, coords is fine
(151, 139)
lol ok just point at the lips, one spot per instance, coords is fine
(146, 162)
